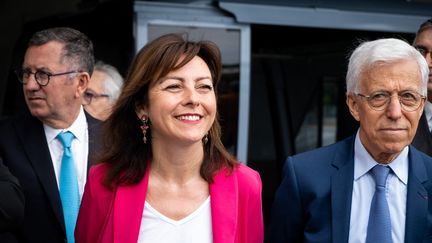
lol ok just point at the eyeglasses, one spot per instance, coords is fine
(423, 50)
(409, 100)
(41, 77)
(90, 95)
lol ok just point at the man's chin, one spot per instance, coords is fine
(38, 113)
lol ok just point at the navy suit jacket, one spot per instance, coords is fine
(423, 138)
(313, 203)
(25, 151)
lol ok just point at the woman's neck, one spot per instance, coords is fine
(177, 164)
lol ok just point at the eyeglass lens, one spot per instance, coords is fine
(410, 101)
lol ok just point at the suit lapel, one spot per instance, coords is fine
(40, 160)
(94, 133)
(423, 138)
(341, 192)
(417, 199)
(224, 203)
(128, 210)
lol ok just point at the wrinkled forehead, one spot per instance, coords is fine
(405, 74)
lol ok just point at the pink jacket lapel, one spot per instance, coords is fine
(129, 205)
(224, 203)
(128, 211)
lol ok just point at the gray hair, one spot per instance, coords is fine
(78, 48)
(389, 50)
(113, 83)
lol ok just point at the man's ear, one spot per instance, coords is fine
(83, 80)
(353, 106)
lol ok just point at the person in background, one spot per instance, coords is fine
(11, 204)
(48, 150)
(423, 43)
(166, 176)
(373, 186)
(102, 91)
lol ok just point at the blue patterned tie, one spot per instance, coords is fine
(69, 192)
(379, 227)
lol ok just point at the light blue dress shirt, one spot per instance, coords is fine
(364, 189)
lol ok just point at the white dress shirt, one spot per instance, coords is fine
(79, 148)
(364, 189)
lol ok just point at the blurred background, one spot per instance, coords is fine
(284, 61)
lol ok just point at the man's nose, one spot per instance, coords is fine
(31, 83)
(394, 108)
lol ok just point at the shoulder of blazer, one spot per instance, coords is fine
(21, 127)
(21, 120)
(337, 154)
(94, 125)
(247, 176)
(420, 157)
(91, 119)
(97, 172)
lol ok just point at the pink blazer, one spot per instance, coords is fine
(115, 215)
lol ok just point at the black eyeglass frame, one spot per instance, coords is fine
(20, 75)
(388, 97)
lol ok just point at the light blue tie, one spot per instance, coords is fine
(379, 227)
(69, 192)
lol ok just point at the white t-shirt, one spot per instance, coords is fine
(194, 228)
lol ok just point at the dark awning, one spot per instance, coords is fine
(392, 18)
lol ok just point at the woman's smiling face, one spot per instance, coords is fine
(182, 105)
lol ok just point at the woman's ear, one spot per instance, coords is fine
(141, 111)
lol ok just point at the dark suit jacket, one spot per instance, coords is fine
(313, 203)
(24, 149)
(11, 204)
(423, 138)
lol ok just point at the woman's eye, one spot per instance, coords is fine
(205, 87)
(173, 87)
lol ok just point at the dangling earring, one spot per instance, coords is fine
(144, 127)
(205, 139)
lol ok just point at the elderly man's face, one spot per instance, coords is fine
(97, 101)
(385, 133)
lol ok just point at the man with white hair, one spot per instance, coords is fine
(102, 91)
(373, 186)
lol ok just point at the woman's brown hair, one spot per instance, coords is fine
(123, 148)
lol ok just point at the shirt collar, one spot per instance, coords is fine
(78, 128)
(363, 162)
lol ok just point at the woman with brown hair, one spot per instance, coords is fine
(175, 181)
